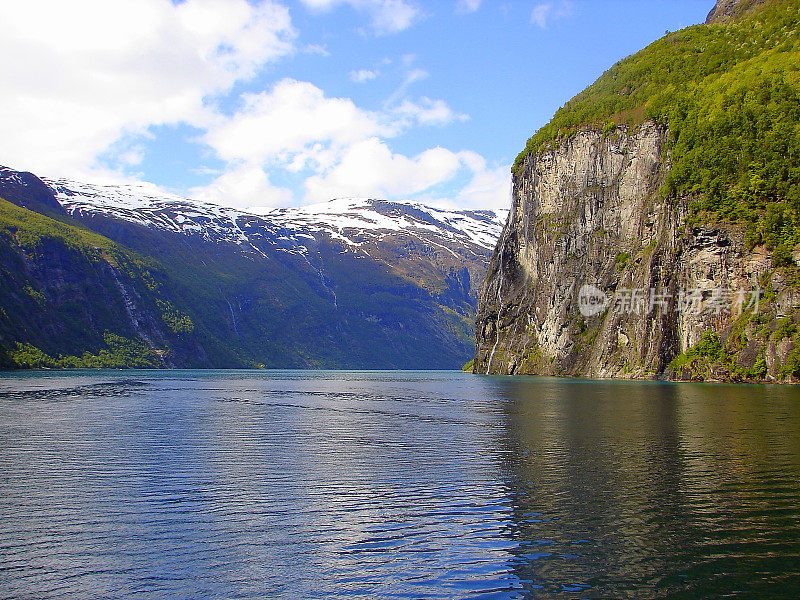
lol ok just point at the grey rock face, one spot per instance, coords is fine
(588, 213)
(725, 10)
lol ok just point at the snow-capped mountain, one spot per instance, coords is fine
(358, 223)
(350, 283)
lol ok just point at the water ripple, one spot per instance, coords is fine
(394, 485)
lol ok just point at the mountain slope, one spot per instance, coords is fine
(70, 297)
(674, 176)
(352, 283)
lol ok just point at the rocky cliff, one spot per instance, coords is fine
(602, 270)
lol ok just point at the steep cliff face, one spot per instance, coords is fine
(70, 298)
(655, 226)
(588, 212)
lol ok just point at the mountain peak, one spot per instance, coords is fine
(28, 191)
(727, 10)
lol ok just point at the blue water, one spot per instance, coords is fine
(292, 484)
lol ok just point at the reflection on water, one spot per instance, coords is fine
(292, 484)
(647, 490)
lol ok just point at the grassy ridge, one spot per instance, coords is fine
(656, 80)
(29, 229)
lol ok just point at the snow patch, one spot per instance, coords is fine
(354, 222)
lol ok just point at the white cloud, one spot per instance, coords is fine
(242, 186)
(464, 7)
(429, 112)
(293, 125)
(393, 16)
(488, 188)
(387, 16)
(545, 12)
(88, 72)
(363, 75)
(296, 127)
(369, 168)
(92, 77)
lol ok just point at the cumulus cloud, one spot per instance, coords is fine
(340, 149)
(95, 78)
(291, 125)
(241, 186)
(387, 16)
(370, 168)
(296, 125)
(93, 71)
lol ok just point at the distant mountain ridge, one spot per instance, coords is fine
(353, 221)
(354, 283)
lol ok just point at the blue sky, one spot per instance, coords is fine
(275, 103)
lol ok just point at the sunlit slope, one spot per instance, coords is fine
(730, 95)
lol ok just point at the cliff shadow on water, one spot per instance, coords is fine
(651, 490)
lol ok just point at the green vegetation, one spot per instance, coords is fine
(37, 296)
(709, 347)
(120, 353)
(786, 328)
(62, 284)
(532, 358)
(730, 95)
(467, 368)
(177, 321)
(63, 287)
(29, 229)
(711, 358)
(738, 354)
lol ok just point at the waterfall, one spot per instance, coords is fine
(502, 248)
(233, 317)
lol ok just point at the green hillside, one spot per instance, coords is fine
(60, 301)
(730, 95)
(109, 293)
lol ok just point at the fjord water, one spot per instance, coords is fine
(292, 484)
